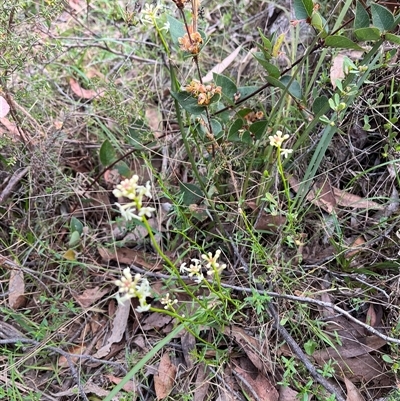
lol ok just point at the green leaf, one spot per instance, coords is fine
(243, 112)
(361, 19)
(188, 102)
(234, 129)
(275, 82)
(294, 88)
(241, 137)
(216, 127)
(320, 104)
(340, 42)
(176, 28)
(393, 38)
(123, 169)
(270, 68)
(387, 358)
(303, 8)
(310, 346)
(259, 128)
(363, 34)
(319, 23)
(266, 42)
(229, 89)
(75, 225)
(108, 154)
(191, 194)
(246, 90)
(74, 239)
(382, 18)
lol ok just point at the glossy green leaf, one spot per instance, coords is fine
(382, 18)
(364, 34)
(361, 19)
(303, 8)
(340, 42)
(107, 153)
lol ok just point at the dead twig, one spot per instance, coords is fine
(14, 180)
(304, 300)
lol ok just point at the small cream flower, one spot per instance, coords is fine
(286, 152)
(277, 139)
(129, 287)
(169, 303)
(130, 189)
(127, 188)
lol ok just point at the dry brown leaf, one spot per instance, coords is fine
(4, 107)
(16, 297)
(78, 350)
(250, 345)
(357, 243)
(351, 348)
(260, 387)
(287, 394)
(343, 198)
(202, 382)
(155, 321)
(188, 342)
(323, 198)
(118, 328)
(320, 194)
(225, 63)
(267, 221)
(11, 127)
(84, 93)
(90, 296)
(130, 256)
(337, 70)
(154, 119)
(371, 317)
(165, 377)
(352, 392)
(353, 358)
(131, 386)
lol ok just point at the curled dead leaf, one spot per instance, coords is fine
(84, 93)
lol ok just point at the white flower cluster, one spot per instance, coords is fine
(130, 189)
(150, 13)
(277, 141)
(136, 287)
(195, 268)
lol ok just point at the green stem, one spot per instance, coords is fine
(172, 266)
